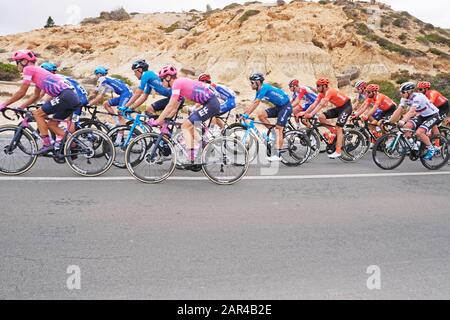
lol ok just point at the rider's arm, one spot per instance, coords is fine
(411, 113)
(362, 109)
(97, 99)
(252, 107)
(33, 99)
(139, 102)
(296, 102)
(169, 111)
(136, 95)
(18, 95)
(320, 105)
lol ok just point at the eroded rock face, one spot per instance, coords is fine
(303, 40)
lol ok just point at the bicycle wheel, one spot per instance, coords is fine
(17, 146)
(225, 160)
(445, 131)
(314, 142)
(389, 151)
(89, 123)
(121, 136)
(442, 155)
(155, 162)
(354, 146)
(297, 148)
(239, 132)
(89, 152)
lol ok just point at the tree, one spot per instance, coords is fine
(208, 8)
(50, 23)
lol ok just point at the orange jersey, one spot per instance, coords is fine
(384, 102)
(436, 98)
(335, 97)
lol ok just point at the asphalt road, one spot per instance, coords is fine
(305, 233)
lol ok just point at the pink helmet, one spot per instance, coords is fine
(24, 55)
(168, 70)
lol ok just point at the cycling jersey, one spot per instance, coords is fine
(110, 85)
(384, 102)
(421, 103)
(48, 82)
(150, 81)
(78, 89)
(222, 92)
(273, 95)
(196, 91)
(304, 93)
(227, 96)
(361, 97)
(436, 98)
(335, 97)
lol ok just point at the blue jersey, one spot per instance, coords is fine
(273, 95)
(109, 85)
(150, 81)
(223, 93)
(78, 88)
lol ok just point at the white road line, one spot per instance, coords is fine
(299, 177)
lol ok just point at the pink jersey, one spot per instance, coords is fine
(196, 91)
(51, 84)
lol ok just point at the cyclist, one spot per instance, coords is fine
(342, 111)
(360, 90)
(282, 110)
(225, 95)
(148, 81)
(435, 98)
(78, 88)
(301, 94)
(422, 116)
(63, 103)
(196, 91)
(110, 85)
(377, 106)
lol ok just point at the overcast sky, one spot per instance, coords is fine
(32, 14)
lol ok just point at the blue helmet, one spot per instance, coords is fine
(101, 70)
(49, 66)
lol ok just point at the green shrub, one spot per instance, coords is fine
(172, 27)
(231, 6)
(440, 53)
(9, 72)
(247, 14)
(403, 36)
(433, 38)
(401, 76)
(363, 29)
(324, 1)
(124, 79)
(393, 47)
(401, 22)
(388, 88)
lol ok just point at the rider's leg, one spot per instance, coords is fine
(108, 107)
(263, 116)
(39, 116)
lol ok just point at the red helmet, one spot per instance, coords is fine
(424, 85)
(372, 88)
(168, 70)
(204, 77)
(294, 83)
(323, 82)
(24, 55)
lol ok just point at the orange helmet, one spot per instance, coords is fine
(424, 85)
(372, 88)
(323, 82)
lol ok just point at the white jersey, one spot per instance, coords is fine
(421, 103)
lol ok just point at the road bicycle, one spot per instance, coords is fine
(88, 152)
